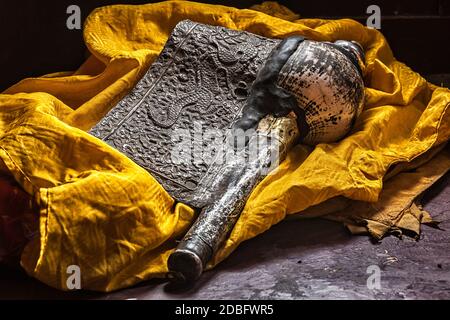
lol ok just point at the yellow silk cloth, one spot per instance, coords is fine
(105, 214)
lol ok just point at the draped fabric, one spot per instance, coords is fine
(100, 211)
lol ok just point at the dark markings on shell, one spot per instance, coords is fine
(327, 85)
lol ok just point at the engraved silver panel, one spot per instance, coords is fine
(202, 76)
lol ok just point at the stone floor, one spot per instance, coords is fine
(307, 259)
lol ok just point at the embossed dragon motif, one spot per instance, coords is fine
(232, 54)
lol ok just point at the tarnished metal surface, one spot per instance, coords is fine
(274, 138)
(200, 80)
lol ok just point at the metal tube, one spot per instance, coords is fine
(273, 139)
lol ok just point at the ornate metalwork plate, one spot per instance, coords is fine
(202, 77)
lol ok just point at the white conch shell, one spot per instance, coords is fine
(327, 85)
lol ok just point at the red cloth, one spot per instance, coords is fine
(18, 220)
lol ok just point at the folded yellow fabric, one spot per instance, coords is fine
(397, 210)
(102, 212)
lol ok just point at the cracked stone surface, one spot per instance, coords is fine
(302, 259)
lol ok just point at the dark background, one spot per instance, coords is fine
(35, 40)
